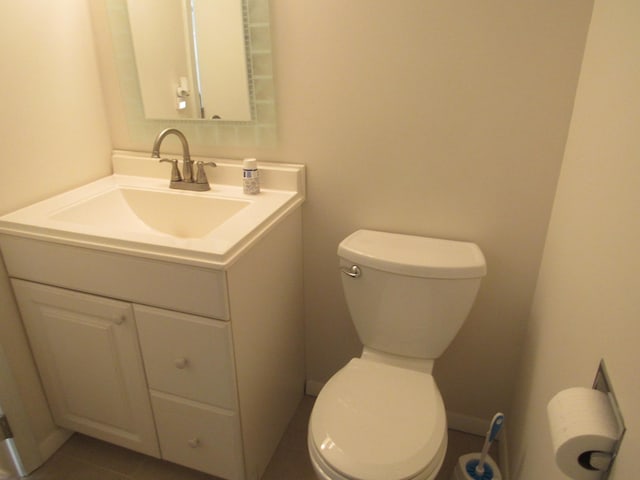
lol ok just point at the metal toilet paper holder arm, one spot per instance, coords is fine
(603, 461)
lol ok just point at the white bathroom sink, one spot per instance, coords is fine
(141, 215)
(179, 214)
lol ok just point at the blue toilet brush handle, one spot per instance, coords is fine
(494, 428)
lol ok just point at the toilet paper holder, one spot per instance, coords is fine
(603, 461)
(603, 434)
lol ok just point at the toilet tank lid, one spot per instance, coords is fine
(414, 255)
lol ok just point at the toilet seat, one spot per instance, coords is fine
(374, 421)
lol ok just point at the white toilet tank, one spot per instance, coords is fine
(409, 295)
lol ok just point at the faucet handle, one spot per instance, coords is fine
(201, 176)
(175, 172)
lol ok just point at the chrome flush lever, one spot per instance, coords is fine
(353, 272)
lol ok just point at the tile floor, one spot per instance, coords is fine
(84, 458)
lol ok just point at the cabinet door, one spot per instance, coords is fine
(87, 354)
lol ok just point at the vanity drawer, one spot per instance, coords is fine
(187, 356)
(165, 284)
(198, 436)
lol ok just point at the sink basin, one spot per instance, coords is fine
(180, 214)
(140, 215)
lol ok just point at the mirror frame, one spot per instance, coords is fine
(261, 131)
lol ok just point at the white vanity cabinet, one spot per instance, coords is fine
(184, 345)
(200, 366)
(86, 349)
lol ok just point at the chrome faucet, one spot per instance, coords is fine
(185, 181)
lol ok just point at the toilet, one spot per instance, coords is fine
(381, 417)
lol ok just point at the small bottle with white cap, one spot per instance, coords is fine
(250, 176)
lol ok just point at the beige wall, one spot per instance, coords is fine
(586, 304)
(54, 136)
(436, 118)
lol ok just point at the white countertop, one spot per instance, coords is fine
(124, 232)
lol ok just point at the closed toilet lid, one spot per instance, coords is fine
(373, 421)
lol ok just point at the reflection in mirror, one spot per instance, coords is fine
(255, 128)
(191, 58)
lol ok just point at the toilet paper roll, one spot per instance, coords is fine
(581, 421)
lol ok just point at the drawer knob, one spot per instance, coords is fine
(194, 442)
(118, 318)
(181, 362)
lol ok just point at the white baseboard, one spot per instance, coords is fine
(53, 442)
(313, 388)
(467, 423)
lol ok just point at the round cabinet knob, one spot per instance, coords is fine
(194, 442)
(181, 362)
(118, 318)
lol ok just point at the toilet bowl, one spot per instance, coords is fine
(381, 417)
(374, 421)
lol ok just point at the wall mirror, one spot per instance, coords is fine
(203, 66)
